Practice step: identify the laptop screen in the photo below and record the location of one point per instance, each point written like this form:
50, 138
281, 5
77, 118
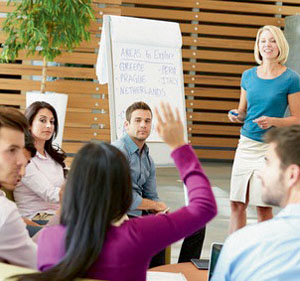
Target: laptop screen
214, 255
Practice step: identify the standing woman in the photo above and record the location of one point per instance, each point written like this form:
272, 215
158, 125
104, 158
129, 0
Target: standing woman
37, 195
266, 91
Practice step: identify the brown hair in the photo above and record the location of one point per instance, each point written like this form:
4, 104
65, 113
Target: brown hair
13, 119
287, 140
135, 106
29, 143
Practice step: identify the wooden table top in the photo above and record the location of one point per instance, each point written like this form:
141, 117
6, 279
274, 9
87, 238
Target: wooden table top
190, 272
7, 270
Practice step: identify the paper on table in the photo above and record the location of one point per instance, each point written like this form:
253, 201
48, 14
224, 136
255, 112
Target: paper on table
164, 276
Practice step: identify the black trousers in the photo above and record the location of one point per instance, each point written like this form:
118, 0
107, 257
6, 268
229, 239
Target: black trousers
158, 259
192, 246
32, 230
191, 249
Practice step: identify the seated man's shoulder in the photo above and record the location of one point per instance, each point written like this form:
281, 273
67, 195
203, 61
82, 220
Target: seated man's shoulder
120, 144
252, 235
252, 232
272, 240
6, 204
7, 209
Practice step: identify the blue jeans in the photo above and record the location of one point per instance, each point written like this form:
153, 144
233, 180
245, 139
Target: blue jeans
34, 229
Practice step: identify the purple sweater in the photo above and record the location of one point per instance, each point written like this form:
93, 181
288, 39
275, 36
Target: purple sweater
127, 249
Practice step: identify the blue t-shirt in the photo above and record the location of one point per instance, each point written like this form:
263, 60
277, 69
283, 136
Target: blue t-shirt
268, 97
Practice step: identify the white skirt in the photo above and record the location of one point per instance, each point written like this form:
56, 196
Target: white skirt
248, 160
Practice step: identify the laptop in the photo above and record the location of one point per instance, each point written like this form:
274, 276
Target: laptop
214, 255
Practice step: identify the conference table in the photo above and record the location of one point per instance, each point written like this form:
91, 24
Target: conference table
190, 272
8, 270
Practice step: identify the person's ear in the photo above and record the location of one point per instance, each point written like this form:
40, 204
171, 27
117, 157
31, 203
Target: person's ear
293, 175
126, 125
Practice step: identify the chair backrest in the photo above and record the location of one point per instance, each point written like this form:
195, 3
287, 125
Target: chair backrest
7, 270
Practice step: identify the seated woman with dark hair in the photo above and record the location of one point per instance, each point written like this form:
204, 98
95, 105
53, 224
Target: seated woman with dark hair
93, 239
37, 194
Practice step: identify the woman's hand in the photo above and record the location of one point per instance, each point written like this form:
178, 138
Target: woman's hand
169, 127
236, 116
264, 122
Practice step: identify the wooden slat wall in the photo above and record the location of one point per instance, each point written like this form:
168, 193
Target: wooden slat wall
87, 113
218, 42
218, 39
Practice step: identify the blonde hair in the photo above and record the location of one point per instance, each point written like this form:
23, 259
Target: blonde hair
281, 42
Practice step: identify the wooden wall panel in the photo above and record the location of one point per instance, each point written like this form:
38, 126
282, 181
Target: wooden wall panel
65, 57
59, 86
74, 74
175, 15
218, 41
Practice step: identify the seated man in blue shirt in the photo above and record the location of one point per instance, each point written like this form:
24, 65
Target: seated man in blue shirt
145, 198
270, 250
138, 128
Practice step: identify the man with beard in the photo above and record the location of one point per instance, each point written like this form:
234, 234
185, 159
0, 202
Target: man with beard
270, 250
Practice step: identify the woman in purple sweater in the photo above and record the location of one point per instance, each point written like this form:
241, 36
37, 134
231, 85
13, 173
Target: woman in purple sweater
94, 240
